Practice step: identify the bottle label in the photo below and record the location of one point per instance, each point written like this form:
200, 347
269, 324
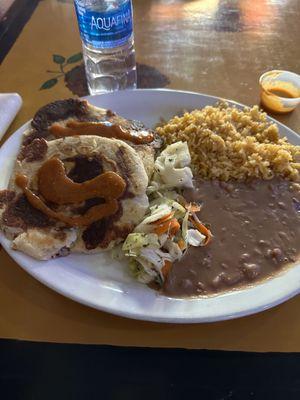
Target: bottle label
105, 29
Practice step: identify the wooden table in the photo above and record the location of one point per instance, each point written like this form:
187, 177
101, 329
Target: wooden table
210, 46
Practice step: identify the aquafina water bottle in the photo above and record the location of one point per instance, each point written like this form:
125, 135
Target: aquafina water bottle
106, 30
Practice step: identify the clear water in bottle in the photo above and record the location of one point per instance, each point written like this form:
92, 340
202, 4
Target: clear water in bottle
106, 31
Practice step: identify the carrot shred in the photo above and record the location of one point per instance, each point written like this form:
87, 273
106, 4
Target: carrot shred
181, 244
171, 226
192, 207
174, 227
166, 268
201, 228
164, 218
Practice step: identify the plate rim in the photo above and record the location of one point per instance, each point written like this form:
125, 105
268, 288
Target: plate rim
165, 319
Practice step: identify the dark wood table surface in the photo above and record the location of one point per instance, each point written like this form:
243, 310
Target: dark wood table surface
218, 47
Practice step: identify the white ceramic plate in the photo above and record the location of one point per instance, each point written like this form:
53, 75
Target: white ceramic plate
98, 281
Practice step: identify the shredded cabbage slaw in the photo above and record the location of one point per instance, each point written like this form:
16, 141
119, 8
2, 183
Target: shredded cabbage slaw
171, 225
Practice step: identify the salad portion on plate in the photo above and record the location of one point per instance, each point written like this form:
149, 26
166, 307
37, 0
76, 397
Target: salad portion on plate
171, 225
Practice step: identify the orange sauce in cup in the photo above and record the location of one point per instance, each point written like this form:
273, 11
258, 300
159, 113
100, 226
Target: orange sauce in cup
273, 95
281, 92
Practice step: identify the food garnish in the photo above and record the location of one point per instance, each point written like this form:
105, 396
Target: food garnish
171, 224
171, 168
200, 227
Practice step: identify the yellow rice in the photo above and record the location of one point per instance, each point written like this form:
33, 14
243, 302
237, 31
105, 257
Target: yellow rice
228, 143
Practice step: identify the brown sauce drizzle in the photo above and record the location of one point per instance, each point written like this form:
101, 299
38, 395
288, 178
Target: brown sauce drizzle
55, 186
108, 130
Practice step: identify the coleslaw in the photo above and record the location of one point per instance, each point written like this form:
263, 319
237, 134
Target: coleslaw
171, 225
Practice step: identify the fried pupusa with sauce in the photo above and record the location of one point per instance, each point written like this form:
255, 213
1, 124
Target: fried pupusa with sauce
84, 158
63, 112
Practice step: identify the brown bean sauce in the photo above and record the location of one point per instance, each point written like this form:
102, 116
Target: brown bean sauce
256, 232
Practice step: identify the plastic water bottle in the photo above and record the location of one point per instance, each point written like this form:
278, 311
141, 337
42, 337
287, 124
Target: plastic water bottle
106, 30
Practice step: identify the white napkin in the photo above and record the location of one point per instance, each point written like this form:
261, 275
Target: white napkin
10, 104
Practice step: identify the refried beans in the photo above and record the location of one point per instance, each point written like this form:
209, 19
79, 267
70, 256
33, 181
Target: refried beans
256, 233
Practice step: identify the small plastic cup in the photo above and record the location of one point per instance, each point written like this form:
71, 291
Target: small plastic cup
280, 91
